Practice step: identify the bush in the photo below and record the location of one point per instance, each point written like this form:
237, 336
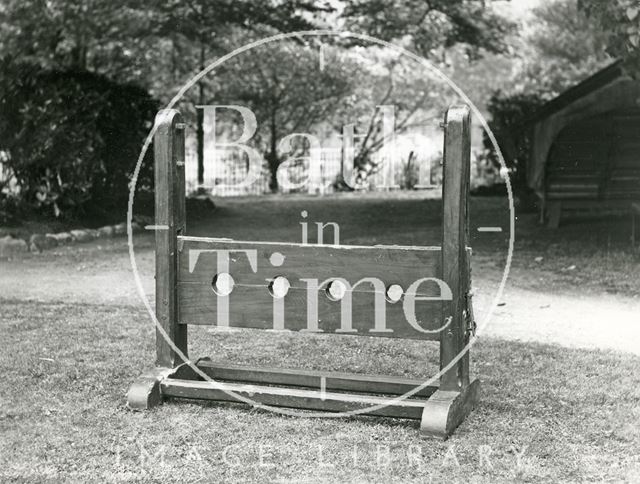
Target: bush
71, 139
509, 113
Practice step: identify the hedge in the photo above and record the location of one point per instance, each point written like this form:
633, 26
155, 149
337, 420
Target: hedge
71, 140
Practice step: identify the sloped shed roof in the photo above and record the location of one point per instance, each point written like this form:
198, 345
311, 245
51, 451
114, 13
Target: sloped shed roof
609, 89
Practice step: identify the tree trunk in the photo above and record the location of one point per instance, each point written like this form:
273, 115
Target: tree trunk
200, 122
273, 163
272, 156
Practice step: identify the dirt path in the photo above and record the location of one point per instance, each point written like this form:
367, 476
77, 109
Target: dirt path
100, 273
610, 322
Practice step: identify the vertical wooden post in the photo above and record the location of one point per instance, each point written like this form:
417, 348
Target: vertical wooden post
457, 395
170, 220
457, 152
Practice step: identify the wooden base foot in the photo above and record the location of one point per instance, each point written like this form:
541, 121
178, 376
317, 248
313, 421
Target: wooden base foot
145, 393
445, 410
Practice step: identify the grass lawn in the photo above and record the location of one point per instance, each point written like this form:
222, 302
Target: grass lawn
547, 413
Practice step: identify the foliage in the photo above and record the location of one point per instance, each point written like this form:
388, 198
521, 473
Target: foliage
562, 47
508, 115
318, 88
204, 20
155, 44
110, 38
159, 43
417, 97
72, 138
127, 40
190, 34
430, 27
285, 87
199, 28
621, 20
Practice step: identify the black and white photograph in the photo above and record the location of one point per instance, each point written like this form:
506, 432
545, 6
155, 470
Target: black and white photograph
320, 241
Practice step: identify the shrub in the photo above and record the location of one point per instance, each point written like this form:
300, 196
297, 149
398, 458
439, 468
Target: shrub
72, 139
509, 113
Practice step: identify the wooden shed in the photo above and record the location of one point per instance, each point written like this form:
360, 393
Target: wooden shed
585, 149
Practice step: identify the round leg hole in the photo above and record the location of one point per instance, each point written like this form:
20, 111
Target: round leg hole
336, 290
222, 284
279, 287
394, 293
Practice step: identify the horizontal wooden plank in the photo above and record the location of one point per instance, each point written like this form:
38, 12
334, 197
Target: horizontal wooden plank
251, 304
601, 205
250, 307
572, 185
393, 264
621, 196
568, 151
575, 173
572, 196
292, 398
627, 171
352, 382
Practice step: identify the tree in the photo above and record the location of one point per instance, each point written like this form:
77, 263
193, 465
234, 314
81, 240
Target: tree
454, 34
431, 26
621, 20
389, 80
108, 38
201, 25
155, 43
309, 86
562, 47
288, 90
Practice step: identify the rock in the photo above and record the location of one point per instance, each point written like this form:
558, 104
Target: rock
52, 241
106, 231
40, 242
81, 235
93, 233
10, 246
62, 238
120, 229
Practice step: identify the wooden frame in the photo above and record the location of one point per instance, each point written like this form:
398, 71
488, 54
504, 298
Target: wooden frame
186, 266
